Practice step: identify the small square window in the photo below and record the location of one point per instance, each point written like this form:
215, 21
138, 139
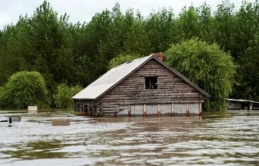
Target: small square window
151, 82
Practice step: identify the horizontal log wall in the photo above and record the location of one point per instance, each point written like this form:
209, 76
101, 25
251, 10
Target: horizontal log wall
171, 89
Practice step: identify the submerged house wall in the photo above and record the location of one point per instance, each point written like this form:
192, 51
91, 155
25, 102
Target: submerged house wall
143, 87
172, 94
87, 107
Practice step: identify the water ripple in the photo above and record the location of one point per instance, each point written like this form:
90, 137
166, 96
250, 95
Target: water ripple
228, 139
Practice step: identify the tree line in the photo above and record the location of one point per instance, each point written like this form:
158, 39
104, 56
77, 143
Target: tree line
77, 54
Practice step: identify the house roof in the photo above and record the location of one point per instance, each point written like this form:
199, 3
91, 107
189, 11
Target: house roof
242, 101
117, 74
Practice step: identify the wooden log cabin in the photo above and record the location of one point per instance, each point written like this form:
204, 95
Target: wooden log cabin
143, 87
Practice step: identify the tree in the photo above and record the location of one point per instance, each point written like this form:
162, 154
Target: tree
207, 22
249, 71
225, 27
205, 65
188, 23
246, 51
48, 46
10, 56
24, 89
80, 53
136, 41
91, 52
64, 95
122, 59
161, 30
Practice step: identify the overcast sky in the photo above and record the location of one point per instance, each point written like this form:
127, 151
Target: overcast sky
84, 10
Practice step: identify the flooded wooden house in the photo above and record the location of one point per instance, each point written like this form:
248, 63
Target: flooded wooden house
143, 87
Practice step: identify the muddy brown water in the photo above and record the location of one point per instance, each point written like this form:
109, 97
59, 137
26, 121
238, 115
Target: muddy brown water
230, 138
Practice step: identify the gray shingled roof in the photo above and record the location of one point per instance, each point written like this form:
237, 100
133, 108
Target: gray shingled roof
119, 73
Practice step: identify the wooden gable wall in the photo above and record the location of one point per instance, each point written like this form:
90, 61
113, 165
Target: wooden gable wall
171, 89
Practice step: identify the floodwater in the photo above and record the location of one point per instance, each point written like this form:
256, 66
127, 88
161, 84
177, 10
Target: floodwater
230, 138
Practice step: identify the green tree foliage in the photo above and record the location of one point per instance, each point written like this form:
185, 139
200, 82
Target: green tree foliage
249, 81
225, 25
188, 24
24, 89
107, 35
207, 66
206, 21
136, 40
10, 61
246, 21
161, 30
243, 49
64, 95
47, 48
122, 59
79, 53
40, 43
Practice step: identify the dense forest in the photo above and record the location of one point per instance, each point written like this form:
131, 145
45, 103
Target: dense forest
77, 54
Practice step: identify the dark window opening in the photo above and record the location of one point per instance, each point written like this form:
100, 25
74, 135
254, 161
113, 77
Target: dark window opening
151, 82
85, 108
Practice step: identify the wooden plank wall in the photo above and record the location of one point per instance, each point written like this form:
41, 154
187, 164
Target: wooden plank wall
84, 105
171, 89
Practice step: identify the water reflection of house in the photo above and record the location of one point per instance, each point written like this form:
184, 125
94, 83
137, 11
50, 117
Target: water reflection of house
240, 104
145, 86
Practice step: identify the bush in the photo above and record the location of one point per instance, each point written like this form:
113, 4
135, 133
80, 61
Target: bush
205, 65
64, 95
23, 89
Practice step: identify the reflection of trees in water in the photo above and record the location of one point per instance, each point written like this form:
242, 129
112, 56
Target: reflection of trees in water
36, 150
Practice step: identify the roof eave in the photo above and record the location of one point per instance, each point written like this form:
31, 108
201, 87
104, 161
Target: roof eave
83, 98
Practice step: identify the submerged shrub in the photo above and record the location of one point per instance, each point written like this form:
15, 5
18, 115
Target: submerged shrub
64, 95
23, 89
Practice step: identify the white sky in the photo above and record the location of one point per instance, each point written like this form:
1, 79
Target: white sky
84, 10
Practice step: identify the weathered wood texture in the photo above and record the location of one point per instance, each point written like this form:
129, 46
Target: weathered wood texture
89, 107
171, 89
